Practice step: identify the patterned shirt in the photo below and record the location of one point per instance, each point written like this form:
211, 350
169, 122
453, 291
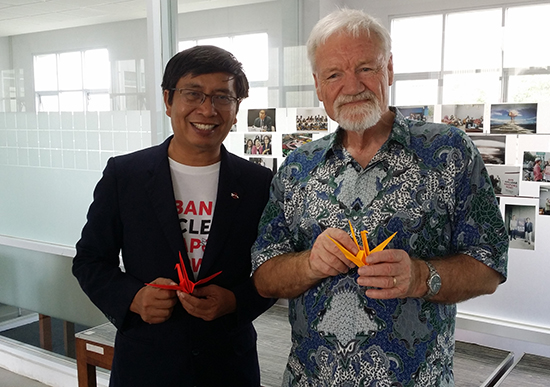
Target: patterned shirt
428, 183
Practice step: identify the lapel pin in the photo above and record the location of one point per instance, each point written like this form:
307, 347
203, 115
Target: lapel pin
234, 195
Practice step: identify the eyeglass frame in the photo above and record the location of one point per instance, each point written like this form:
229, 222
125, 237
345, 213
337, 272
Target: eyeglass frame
234, 100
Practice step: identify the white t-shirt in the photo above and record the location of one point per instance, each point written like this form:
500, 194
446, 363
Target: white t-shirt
195, 189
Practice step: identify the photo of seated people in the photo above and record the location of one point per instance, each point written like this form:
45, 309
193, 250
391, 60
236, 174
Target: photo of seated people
257, 145
261, 120
314, 119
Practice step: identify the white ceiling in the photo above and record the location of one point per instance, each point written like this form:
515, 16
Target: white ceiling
26, 16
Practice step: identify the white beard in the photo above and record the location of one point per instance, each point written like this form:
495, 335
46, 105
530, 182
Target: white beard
357, 118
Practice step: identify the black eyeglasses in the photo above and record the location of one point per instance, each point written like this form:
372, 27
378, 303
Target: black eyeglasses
196, 98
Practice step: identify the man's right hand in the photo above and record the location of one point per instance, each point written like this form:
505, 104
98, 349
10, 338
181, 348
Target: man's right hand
326, 259
155, 305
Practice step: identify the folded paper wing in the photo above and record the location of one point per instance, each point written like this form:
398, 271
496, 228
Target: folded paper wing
360, 258
185, 285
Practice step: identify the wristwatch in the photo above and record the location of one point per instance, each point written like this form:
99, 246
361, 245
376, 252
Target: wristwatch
433, 282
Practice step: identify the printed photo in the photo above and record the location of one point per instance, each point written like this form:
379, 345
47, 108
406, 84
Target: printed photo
295, 140
261, 120
268, 162
544, 200
257, 144
492, 148
466, 117
418, 113
505, 179
536, 166
520, 224
313, 119
514, 118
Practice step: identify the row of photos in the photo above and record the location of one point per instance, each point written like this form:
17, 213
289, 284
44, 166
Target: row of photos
505, 119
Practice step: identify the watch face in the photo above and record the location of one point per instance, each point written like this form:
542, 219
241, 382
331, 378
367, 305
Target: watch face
435, 283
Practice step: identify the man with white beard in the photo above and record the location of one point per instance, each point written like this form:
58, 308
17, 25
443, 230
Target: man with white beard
391, 321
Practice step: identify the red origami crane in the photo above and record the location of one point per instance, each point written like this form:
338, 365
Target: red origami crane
185, 285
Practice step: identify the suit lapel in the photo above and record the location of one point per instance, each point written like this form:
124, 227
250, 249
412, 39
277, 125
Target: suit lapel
228, 203
161, 193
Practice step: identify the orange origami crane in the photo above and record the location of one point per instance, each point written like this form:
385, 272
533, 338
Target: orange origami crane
360, 258
185, 285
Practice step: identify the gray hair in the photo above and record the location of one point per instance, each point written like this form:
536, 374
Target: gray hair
351, 21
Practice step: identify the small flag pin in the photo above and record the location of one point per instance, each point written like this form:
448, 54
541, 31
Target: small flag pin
234, 195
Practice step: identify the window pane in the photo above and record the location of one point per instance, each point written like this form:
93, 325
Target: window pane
468, 88
184, 45
526, 29
48, 103
99, 102
71, 101
416, 43
252, 51
70, 71
529, 88
418, 92
45, 72
473, 40
97, 70
257, 98
224, 43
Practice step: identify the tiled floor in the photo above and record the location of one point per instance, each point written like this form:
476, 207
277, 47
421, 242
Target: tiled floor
9, 379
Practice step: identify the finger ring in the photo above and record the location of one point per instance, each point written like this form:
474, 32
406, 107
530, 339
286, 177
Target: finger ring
394, 282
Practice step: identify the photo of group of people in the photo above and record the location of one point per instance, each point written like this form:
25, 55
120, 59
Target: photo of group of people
466, 117
311, 120
417, 113
536, 166
293, 141
519, 221
257, 144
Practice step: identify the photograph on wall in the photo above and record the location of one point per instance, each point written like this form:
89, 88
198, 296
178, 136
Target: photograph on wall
517, 118
418, 113
536, 166
293, 141
505, 179
544, 200
466, 117
492, 148
312, 119
257, 144
261, 120
268, 162
520, 224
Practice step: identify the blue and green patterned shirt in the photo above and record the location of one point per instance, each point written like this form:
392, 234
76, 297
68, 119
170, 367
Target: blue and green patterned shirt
428, 183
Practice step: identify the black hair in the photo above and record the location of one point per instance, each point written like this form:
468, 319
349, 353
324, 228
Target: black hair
201, 60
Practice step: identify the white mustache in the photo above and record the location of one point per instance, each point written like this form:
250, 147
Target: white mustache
366, 95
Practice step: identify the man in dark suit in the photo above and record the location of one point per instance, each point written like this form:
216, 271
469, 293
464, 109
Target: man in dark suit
263, 121
187, 195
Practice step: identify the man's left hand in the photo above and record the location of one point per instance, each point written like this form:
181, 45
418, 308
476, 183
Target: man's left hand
208, 302
391, 274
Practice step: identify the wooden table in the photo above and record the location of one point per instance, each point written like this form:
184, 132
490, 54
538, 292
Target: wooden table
529, 371
94, 348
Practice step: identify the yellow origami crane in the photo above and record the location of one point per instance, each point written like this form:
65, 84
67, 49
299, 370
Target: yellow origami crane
360, 258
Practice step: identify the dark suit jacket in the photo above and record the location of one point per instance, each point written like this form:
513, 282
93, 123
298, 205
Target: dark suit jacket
134, 211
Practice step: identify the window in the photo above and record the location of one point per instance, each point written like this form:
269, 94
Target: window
506, 65
255, 61
75, 81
